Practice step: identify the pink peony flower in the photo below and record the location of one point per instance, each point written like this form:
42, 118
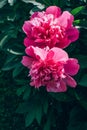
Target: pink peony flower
51, 68
50, 28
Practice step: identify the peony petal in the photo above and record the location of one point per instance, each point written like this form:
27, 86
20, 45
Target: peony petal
71, 67
27, 28
38, 40
64, 42
56, 11
70, 81
63, 86
66, 19
56, 86
27, 61
57, 54
50, 55
36, 83
36, 53
35, 14
73, 34
28, 42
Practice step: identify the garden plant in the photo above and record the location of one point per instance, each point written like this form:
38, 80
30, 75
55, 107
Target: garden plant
43, 66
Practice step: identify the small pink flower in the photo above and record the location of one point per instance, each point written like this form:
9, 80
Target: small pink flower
51, 68
50, 28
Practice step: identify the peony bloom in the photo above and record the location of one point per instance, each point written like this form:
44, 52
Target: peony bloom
50, 68
50, 28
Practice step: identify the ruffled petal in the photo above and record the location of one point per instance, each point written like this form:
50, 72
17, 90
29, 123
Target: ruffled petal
66, 19
27, 28
28, 42
56, 86
71, 67
36, 83
57, 54
36, 53
70, 81
56, 11
73, 34
35, 14
27, 61
64, 42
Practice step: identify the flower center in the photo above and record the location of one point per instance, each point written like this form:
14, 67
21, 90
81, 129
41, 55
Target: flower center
48, 31
45, 72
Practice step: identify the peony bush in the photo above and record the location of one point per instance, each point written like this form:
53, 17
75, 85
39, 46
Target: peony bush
43, 65
50, 66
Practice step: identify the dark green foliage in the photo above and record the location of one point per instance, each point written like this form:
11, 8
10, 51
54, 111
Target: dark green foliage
23, 107
78, 119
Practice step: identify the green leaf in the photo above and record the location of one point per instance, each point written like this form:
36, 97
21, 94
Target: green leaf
9, 65
82, 23
36, 9
23, 108
61, 96
21, 81
2, 3
77, 10
32, 109
82, 60
11, 2
30, 117
78, 126
14, 52
47, 125
35, 3
27, 93
28, 1
83, 81
83, 104
10, 58
77, 119
45, 106
17, 70
12, 32
4, 40
46, 2
11, 62
21, 90
61, 3
38, 113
